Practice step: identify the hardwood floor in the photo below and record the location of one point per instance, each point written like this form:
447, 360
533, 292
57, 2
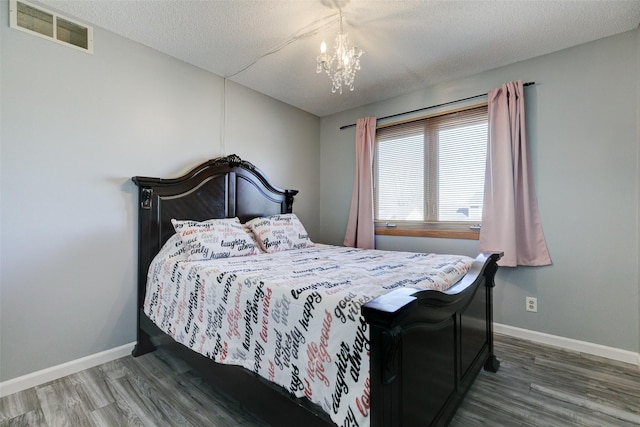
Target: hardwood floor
535, 386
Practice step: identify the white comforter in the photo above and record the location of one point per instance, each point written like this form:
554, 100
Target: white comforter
292, 317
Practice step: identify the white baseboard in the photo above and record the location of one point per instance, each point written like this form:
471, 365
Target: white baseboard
53, 373
569, 344
40, 377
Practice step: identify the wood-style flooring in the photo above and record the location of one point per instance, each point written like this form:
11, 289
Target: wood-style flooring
535, 386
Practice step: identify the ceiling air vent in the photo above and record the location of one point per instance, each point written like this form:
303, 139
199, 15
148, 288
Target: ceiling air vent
49, 25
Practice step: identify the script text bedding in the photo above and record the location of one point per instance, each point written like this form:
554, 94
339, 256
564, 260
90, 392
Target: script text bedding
292, 317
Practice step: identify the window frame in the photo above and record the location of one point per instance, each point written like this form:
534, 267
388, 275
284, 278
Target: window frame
429, 228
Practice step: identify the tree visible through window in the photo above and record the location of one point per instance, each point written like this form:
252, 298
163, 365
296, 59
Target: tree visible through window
432, 170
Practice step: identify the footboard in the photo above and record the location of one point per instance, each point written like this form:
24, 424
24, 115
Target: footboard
428, 347
425, 347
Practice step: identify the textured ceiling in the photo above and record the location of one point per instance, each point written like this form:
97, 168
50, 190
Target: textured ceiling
271, 45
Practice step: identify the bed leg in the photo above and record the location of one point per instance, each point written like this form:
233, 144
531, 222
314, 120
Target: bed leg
492, 364
143, 345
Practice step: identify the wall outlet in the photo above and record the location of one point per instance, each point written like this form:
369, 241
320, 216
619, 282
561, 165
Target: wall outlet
532, 304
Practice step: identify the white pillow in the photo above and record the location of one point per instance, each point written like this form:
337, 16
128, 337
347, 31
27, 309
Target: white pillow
253, 237
174, 247
214, 238
280, 233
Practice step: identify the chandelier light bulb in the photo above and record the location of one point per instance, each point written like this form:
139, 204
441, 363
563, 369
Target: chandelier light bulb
341, 67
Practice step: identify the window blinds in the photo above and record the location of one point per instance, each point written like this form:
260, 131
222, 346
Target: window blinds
432, 169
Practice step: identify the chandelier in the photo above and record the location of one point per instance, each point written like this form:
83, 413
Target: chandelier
341, 67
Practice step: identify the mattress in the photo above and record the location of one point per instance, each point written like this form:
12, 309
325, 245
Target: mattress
293, 317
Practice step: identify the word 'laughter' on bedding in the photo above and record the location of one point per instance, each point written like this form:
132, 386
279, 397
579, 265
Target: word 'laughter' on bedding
300, 328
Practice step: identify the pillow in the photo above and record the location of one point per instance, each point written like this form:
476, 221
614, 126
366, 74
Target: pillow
174, 247
214, 238
280, 233
174, 250
252, 237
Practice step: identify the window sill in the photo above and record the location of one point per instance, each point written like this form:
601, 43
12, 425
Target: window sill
427, 232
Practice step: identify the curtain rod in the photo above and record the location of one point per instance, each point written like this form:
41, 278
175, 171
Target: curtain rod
433, 106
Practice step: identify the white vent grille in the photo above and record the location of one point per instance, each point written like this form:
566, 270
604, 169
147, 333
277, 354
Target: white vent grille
35, 20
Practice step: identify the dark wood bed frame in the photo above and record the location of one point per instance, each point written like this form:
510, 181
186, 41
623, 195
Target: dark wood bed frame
427, 347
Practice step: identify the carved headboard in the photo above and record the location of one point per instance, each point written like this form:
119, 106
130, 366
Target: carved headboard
224, 187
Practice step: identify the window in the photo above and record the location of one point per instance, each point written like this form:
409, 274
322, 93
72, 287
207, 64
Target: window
429, 173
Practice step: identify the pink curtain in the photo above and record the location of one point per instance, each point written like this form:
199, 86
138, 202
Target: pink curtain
360, 229
510, 218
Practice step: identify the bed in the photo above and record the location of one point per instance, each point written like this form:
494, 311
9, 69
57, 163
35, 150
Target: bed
425, 347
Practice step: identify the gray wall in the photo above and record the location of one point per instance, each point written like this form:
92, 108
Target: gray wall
74, 129
638, 174
583, 127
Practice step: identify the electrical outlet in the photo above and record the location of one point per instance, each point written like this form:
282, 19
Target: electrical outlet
532, 304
